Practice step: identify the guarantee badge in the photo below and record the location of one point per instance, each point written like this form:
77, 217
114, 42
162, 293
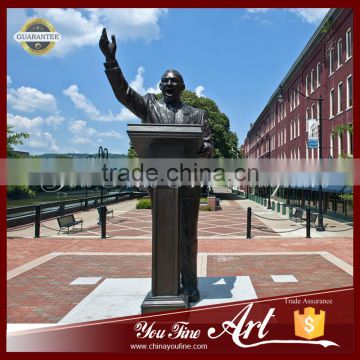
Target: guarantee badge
37, 36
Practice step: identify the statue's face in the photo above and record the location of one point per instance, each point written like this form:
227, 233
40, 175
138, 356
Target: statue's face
171, 86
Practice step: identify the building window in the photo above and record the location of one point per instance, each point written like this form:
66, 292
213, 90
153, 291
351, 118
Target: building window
298, 96
348, 44
307, 116
285, 135
340, 144
349, 99
332, 103
313, 111
331, 144
312, 80
298, 126
339, 53
340, 97
318, 74
307, 85
331, 61
349, 143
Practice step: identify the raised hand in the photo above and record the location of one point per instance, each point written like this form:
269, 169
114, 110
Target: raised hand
107, 48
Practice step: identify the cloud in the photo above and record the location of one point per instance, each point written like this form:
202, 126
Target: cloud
8, 80
311, 16
79, 28
138, 83
28, 99
23, 123
43, 140
38, 139
82, 134
199, 91
81, 102
257, 10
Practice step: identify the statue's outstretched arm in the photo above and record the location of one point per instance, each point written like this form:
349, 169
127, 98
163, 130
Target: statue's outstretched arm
123, 92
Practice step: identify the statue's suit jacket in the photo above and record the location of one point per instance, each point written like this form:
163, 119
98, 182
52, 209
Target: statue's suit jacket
151, 110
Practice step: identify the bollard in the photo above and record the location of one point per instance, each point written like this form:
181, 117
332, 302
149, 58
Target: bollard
284, 209
290, 212
248, 223
273, 206
62, 209
37, 221
308, 236
103, 221
278, 207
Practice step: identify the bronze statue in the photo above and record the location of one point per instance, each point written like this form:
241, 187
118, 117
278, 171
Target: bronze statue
170, 110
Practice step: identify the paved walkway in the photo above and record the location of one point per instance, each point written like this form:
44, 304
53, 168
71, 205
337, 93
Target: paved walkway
55, 276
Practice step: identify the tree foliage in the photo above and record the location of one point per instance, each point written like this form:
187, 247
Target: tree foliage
14, 138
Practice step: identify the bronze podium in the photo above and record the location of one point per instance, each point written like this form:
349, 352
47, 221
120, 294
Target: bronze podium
165, 141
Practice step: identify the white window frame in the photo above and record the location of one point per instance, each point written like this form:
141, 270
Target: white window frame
339, 145
348, 44
339, 53
348, 137
318, 74
331, 61
313, 111
312, 81
306, 119
340, 98
348, 93
307, 85
298, 96
298, 126
331, 144
331, 103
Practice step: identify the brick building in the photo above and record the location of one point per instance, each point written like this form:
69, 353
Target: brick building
323, 69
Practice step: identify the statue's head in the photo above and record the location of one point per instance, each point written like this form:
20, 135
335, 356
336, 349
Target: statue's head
172, 85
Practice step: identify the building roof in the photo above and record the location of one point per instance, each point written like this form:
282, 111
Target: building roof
318, 35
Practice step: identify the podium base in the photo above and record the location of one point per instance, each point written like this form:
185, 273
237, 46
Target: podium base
153, 304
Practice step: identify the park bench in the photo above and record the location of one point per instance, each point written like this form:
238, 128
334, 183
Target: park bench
313, 218
107, 213
67, 221
297, 217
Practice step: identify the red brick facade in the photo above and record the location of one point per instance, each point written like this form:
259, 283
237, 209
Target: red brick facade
325, 67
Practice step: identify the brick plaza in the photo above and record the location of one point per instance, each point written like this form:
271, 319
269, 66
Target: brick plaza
50, 276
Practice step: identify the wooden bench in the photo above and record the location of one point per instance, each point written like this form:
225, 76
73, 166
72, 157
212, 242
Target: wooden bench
67, 221
107, 213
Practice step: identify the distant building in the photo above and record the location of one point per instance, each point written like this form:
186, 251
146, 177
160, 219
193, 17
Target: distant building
324, 68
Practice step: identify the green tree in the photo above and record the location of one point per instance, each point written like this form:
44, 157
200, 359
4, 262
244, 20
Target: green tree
14, 138
131, 152
225, 141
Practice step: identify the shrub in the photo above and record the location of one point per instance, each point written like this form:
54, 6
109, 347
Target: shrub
143, 204
205, 208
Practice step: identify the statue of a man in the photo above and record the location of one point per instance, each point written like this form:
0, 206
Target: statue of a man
170, 110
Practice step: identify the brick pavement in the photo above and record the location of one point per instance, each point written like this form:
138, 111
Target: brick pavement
43, 293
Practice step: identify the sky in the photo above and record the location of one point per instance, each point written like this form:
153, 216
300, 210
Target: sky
63, 100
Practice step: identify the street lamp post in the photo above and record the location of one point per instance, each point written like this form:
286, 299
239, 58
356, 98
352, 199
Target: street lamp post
320, 226
269, 153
